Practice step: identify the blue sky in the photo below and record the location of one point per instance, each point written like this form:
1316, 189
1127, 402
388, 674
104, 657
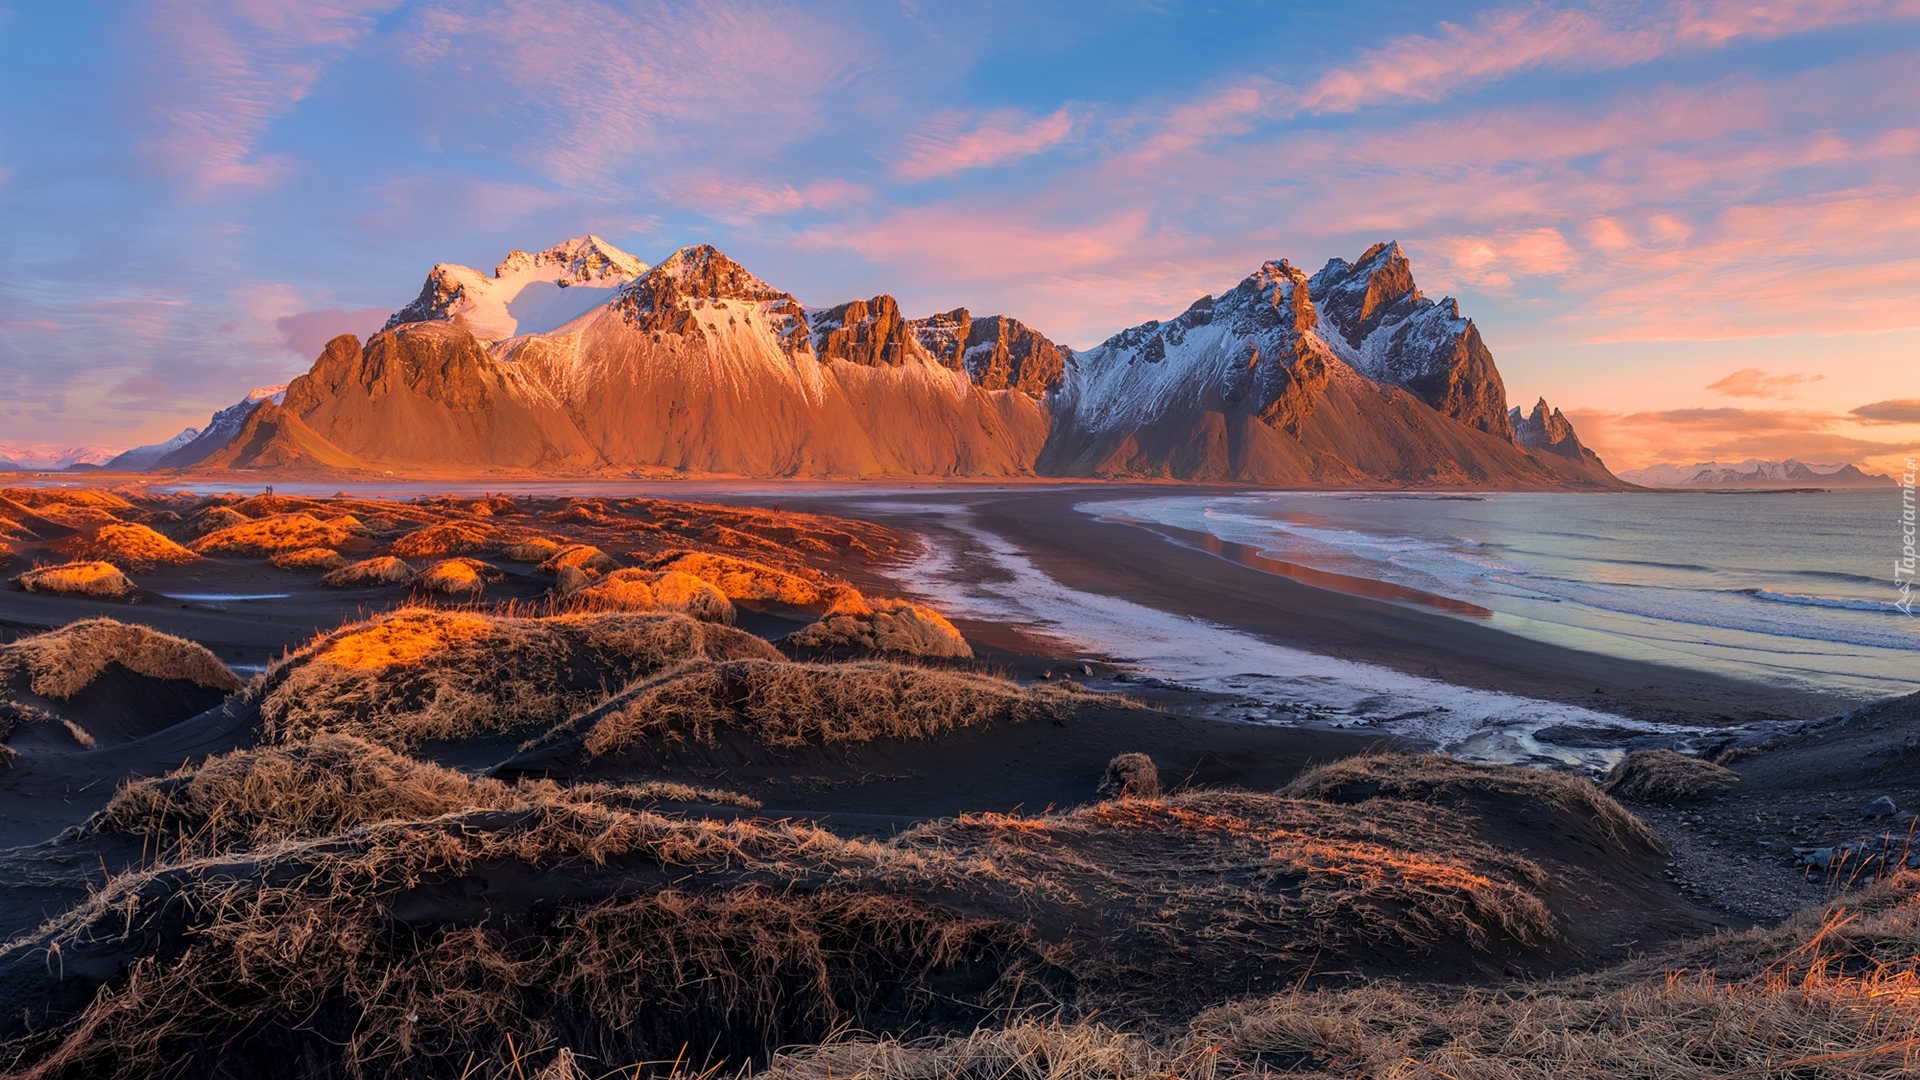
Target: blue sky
1694, 226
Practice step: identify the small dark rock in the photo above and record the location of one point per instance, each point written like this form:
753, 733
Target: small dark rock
1879, 808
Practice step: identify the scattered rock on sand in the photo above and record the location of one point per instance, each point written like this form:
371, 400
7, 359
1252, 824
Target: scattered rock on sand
77, 579
1667, 776
1882, 807
368, 573
1130, 776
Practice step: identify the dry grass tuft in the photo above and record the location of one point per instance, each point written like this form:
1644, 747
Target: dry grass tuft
674, 591
582, 556
60, 663
271, 535
633, 589
1665, 776
458, 577
313, 558
77, 579
335, 783
211, 519
448, 538
782, 704
1130, 776
1437, 777
417, 674
135, 547
742, 579
895, 626
537, 550
370, 573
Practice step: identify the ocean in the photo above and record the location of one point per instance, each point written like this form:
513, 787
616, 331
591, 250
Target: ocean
1793, 590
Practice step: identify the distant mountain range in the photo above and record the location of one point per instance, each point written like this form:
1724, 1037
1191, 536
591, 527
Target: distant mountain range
1754, 473
583, 360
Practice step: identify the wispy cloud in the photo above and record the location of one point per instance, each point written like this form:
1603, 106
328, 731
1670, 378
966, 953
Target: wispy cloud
1898, 411
1510, 41
218, 72
1755, 383
952, 142
582, 89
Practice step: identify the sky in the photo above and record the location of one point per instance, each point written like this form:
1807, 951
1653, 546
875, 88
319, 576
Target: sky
1693, 226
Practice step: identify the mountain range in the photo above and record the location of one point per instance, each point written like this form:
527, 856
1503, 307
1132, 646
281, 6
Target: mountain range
583, 360
1755, 473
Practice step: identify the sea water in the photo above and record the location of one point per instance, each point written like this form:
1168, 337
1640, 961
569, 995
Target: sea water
1794, 589
1772, 588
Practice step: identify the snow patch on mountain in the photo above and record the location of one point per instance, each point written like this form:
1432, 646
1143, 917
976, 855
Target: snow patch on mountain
525, 294
1755, 472
141, 458
50, 457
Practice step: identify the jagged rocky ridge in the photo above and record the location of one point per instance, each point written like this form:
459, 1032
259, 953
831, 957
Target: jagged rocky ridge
581, 359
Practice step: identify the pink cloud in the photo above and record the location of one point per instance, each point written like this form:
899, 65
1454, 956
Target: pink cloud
1504, 42
218, 72
947, 145
307, 332
1684, 436
608, 83
1755, 383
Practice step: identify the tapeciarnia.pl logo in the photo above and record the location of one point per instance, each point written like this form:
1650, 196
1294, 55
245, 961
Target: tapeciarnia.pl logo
1903, 567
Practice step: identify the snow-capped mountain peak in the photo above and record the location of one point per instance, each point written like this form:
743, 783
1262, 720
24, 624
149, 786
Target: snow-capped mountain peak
526, 294
1755, 472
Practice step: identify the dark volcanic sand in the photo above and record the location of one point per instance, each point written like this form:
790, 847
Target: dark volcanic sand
1147, 567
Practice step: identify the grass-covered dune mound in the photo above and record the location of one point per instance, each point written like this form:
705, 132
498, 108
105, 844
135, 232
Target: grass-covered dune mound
1833, 994
95, 578
457, 940
769, 702
251, 799
419, 674
453, 945
100, 682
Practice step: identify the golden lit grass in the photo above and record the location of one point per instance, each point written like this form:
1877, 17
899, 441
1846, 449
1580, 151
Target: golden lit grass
46, 498
60, 663
449, 538
580, 556
458, 577
1392, 874
211, 519
135, 547
782, 704
742, 579
268, 536
334, 784
882, 625
346, 990
417, 674
313, 558
369, 573
1439, 778
77, 579
1665, 776
633, 589
536, 550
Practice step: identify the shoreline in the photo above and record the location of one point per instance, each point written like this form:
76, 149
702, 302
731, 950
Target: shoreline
1405, 634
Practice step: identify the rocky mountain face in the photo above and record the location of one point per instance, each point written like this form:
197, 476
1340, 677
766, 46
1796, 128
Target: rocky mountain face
1755, 473
581, 359
220, 430
1549, 433
1347, 377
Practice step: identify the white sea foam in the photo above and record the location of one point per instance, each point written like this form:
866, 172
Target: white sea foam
1270, 683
